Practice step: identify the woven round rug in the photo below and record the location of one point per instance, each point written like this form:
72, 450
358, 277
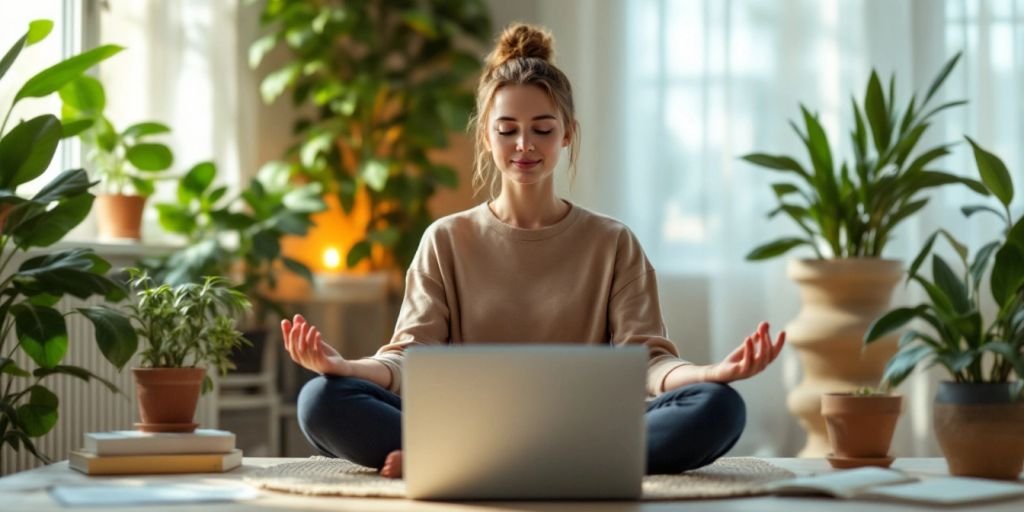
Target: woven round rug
321, 476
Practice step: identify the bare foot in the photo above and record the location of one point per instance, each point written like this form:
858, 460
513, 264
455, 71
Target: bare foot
392, 465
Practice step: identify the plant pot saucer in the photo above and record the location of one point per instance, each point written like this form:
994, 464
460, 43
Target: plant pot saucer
166, 427
856, 462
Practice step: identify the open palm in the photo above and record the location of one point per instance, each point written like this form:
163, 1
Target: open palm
750, 358
306, 347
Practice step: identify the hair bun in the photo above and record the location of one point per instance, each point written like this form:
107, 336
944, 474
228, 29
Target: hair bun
522, 41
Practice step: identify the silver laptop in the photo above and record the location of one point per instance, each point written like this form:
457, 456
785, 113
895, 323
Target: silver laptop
524, 422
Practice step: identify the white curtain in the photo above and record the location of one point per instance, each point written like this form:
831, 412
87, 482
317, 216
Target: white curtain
672, 92
184, 65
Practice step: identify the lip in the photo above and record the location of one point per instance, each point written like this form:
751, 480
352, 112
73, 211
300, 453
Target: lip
525, 164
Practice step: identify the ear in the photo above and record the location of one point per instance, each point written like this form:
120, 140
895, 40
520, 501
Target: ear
569, 131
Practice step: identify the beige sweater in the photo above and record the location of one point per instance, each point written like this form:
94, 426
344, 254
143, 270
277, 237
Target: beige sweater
585, 280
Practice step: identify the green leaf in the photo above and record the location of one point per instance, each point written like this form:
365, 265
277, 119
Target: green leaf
359, 252
776, 248
67, 184
78, 272
946, 69
175, 219
72, 128
260, 48
890, 322
150, 156
143, 187
298, 268
981, 261
42, 334
53, 78
39, 415
275, 83
314, 147
145, 129
54, 224
10, 367
951, 285
971, 210
115, 335
900, 366
85, 94
993, 173
37, 31
375, 173
196, 181
74, 371
307, 199
877, 114
266, 246
777, 163
783, 189
27, 150
387, 237
1007, 271
12, 55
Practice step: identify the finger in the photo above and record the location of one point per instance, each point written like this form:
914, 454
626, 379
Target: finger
779, 342
765, 354
297, 335
763, 328
737, 355
311, 339
300, 318
286, 328
748, 356
317, 342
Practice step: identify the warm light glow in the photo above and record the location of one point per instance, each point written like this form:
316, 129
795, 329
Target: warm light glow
332, 258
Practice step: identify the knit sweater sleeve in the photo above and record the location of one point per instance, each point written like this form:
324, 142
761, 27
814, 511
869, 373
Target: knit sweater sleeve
634, 312
424, 316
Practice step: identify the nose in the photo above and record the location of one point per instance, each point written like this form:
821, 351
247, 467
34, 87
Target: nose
522, 144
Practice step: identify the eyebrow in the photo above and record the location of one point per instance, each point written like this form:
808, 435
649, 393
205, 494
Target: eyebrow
535, 118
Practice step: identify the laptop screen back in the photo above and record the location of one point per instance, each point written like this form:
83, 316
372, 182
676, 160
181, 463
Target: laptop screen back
524, 422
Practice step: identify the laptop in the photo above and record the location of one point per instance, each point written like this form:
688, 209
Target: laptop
488, 422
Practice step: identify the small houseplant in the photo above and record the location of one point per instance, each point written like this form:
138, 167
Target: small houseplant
126, 162
29, 292
238, 236
979, 413
385, 83
184, 328
846, 212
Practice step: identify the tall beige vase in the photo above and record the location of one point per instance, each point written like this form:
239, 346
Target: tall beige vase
840, 299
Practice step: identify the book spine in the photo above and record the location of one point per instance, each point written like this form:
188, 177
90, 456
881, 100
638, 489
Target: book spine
159, 464
155, 446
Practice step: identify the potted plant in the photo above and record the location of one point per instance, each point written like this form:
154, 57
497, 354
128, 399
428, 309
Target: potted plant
860, 426
29, 290
979, 412
385, 82
847, 212
238, 236
185, 328
126, 162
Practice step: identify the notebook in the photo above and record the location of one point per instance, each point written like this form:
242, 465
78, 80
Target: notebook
524, 422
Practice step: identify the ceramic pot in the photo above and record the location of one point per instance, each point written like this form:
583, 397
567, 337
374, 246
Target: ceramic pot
860, 427
167, 398
980, 429
839, 301
119, 217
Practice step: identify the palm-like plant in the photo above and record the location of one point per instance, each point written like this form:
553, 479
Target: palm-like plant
852, 209
961, 338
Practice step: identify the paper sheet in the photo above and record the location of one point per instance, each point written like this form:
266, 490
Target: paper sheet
114, 495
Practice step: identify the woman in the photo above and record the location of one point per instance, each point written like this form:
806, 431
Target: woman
529, 267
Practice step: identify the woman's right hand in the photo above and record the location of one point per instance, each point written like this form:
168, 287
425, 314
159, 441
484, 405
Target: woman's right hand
304, 344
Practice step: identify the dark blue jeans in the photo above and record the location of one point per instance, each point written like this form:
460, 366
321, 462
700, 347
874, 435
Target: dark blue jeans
360, 421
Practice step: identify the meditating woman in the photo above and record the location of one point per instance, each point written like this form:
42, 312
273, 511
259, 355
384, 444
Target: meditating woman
525, 266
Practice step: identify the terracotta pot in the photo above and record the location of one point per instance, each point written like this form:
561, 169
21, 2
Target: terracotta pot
860, 426
167, 398
980, 430
119, 217
840, 300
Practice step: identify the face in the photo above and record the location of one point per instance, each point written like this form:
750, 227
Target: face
525, 134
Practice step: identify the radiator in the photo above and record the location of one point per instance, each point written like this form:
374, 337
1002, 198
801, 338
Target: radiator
85, 407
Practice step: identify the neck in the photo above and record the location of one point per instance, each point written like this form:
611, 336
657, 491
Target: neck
529, 207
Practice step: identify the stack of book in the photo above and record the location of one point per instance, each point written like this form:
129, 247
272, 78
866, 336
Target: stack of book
132, 452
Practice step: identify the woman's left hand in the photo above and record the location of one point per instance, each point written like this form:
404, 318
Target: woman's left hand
754, 355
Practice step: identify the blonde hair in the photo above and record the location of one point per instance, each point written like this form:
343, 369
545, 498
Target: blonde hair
522, 56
